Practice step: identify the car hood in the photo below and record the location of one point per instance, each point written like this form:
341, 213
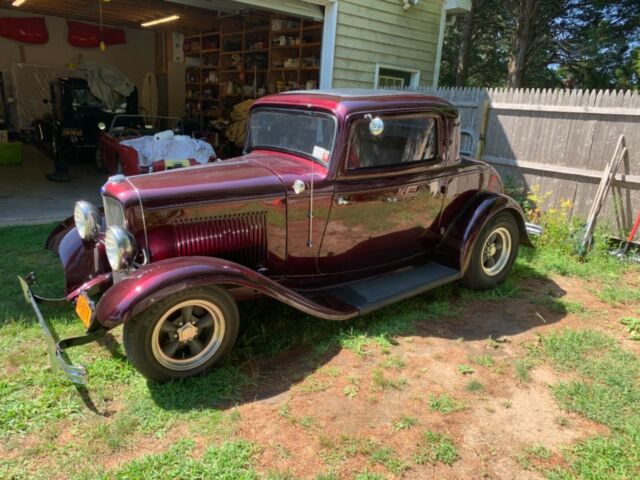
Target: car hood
244, 177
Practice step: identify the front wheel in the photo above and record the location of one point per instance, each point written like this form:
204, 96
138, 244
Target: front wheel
493, 254
182, 335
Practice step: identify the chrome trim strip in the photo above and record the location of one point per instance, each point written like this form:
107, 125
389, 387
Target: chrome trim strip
144, 222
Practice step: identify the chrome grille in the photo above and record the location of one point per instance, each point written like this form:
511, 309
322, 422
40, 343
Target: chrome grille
113, 212
240, 237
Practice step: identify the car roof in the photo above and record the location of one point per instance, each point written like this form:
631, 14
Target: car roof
343, 101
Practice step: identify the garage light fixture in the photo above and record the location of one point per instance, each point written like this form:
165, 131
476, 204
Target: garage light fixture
160, 20
17, 3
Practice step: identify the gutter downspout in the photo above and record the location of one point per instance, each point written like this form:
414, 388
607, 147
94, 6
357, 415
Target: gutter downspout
443, 19
328, 44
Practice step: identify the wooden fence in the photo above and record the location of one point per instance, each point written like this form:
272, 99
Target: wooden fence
559, 140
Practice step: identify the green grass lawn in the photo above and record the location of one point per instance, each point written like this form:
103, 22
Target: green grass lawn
38, 407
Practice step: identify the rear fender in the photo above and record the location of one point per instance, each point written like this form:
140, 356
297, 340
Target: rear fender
128, 157
459, 240
81, 261
151, 283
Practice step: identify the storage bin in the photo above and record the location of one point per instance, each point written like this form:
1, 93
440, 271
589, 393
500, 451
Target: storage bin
10, 153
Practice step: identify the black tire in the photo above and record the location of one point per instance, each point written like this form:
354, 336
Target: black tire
486, 271
148, 337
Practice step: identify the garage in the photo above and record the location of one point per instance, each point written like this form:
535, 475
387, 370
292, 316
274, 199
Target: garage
69, 67
199, 62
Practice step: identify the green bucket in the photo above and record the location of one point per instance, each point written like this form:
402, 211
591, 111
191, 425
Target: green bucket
10, 153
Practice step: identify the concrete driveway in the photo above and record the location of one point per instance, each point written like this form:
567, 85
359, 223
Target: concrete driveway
27, 197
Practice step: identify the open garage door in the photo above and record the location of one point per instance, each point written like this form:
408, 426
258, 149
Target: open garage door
300, 8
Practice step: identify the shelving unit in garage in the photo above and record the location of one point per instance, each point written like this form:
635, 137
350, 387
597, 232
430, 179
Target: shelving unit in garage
248, 57
202, 79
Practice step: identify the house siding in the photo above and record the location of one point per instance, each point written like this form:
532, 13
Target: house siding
380, 31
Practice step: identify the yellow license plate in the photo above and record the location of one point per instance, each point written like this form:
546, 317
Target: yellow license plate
170, 164
84, 310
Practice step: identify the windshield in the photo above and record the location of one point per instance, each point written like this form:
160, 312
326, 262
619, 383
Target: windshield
310, 134
144, 124
82, 97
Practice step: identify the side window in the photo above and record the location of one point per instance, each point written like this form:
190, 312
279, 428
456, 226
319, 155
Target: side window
404, 140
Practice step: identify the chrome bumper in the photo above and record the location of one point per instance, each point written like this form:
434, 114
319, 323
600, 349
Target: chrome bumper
75, 373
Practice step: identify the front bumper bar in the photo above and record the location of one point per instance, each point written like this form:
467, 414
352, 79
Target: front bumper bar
76, 373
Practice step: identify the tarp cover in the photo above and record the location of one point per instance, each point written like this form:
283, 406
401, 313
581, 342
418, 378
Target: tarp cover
29, 86
169, 147
104, 80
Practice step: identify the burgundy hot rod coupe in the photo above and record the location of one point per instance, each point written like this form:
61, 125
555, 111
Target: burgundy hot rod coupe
135, 144
344, 201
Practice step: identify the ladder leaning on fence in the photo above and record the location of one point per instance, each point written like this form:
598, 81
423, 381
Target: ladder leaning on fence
608, 175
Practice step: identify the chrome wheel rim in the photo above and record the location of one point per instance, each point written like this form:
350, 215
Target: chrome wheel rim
188, 335
496, 251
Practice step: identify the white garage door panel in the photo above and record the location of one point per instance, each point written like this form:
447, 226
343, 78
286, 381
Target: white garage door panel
296, 8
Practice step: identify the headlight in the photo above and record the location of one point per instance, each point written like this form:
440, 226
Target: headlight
87, 219
121, 248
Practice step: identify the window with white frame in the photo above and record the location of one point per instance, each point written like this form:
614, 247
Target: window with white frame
392, 77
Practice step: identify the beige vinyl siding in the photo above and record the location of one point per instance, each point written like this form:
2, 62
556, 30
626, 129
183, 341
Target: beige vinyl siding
371, 32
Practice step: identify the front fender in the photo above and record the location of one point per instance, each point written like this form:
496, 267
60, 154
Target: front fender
458, 241
81, 261
151, 283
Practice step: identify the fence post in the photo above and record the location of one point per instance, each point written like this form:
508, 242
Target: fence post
484, 117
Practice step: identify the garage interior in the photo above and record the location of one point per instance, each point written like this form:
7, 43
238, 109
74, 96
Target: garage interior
208, 63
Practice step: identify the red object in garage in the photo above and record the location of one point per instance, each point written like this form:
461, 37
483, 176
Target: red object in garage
87, 35
28, 29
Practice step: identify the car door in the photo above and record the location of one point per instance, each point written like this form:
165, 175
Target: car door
388, 194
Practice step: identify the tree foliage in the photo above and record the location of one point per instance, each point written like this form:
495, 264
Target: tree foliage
545, 43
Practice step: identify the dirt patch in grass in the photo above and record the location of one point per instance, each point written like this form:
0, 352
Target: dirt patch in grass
345, 411
305, 430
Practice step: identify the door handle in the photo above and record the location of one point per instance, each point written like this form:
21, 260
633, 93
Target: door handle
343, 201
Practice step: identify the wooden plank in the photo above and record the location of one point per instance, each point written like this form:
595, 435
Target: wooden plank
594, 175
394, 7
403, 44
634, 112
420, 23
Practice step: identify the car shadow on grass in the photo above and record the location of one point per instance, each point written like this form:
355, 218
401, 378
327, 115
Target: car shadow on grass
279, 347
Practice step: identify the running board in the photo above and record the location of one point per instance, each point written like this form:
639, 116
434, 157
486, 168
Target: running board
372, 294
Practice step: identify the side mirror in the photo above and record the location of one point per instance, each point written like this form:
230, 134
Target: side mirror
376, 126
101, 125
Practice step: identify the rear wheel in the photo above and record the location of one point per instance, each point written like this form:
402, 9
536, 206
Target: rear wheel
182, 335
494, 252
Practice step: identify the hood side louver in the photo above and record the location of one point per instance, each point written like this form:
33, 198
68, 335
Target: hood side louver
238, 237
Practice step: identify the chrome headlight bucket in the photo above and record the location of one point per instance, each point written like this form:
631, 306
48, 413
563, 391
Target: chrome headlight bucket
87, 219
120, 247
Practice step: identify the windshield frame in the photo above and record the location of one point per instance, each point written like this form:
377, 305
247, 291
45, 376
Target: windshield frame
296, 111
112, 125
